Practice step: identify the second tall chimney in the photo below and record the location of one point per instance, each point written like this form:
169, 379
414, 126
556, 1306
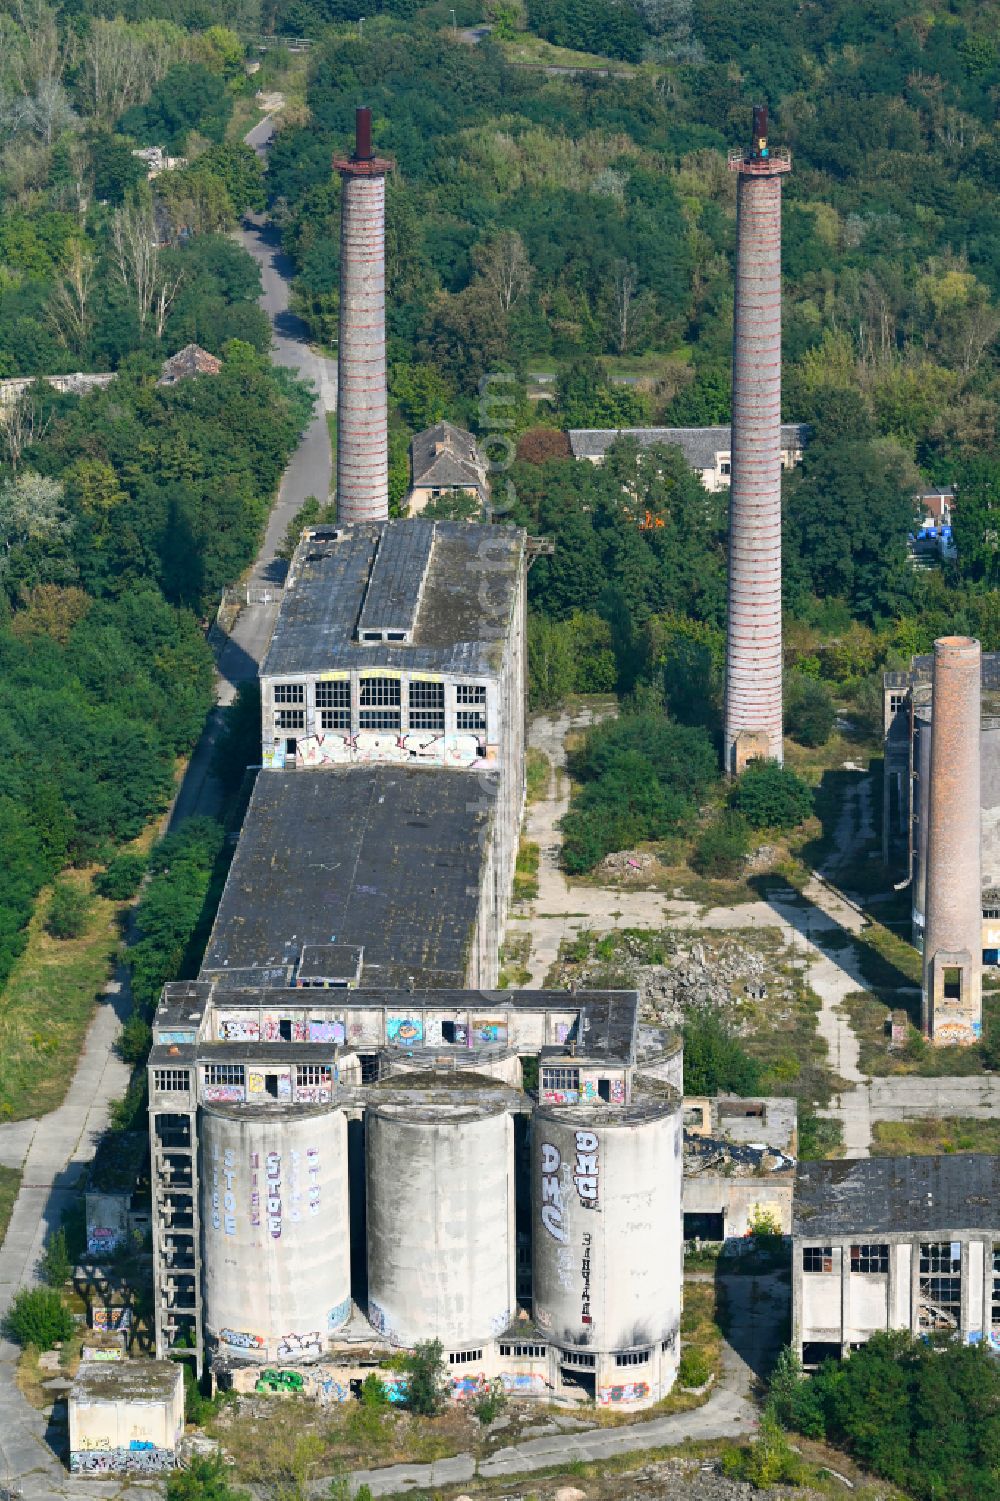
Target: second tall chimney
753, 712
953, 933
362, 414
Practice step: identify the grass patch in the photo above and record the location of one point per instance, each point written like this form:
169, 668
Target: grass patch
934, 1138
869, 1019
10, 1182
526, 872
514, 956
538, 774
48, 1004
532, 51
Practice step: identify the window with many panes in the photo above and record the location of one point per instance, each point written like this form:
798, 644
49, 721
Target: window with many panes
426, 706
378, 719
223, 1073
470, 693
173, 1080
312, 1073
530, 1352
470, 719
869, 1258
289, 693
333, 704
633, 1357
290, 719
817, 1258
465, 1357
939, 1291
560, 1078
380, 693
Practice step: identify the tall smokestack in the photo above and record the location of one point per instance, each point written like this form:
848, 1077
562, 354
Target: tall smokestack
953, 935
753, 726
362, 421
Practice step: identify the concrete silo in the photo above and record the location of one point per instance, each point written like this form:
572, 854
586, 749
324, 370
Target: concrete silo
607, 1245
440, 1183
275, 1230
499, 1063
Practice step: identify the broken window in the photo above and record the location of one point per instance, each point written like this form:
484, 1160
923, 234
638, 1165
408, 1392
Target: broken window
312, 1074
940, 1291
290, 719
173, 1080
426, 706
470, 693
470, 719
289, 693
380, 692
952, 983
223, 1073
333, 700
869, 1258
578, 1358
817, 1259
560, 1078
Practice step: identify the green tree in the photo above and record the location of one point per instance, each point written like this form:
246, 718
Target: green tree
122, 878
771, 796
809, 710
721, 848
425, 1378
714, 1060
69, 910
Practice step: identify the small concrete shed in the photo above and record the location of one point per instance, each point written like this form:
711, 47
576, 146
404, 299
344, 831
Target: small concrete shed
125, 1417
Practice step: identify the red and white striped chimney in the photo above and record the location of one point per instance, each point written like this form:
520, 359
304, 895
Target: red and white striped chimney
362, 420
753, 714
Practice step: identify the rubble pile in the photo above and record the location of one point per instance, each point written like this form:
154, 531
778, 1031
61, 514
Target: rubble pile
694, 978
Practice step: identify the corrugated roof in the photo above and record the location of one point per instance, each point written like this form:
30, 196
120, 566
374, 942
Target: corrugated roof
885, 1195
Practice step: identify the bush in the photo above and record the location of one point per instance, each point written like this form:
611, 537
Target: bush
491, 1404
68, 911
809, 711
771, 796
122, 878
38, 1316
373, 1392
714, 1061
768, 1461
203, 1480
694, 1368
722, 848
425, 1378
135, 1039
57, 1264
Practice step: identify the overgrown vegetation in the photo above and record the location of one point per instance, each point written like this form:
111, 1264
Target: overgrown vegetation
38, 1316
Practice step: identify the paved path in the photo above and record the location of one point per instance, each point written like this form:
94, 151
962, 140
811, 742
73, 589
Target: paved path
724, 1415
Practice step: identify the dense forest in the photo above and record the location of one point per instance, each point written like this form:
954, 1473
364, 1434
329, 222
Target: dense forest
123, 513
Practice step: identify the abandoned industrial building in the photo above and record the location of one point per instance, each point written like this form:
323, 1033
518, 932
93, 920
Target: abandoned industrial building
895, 1243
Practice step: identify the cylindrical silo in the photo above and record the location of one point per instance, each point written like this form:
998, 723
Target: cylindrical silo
362, 420
953, 959
440, 1181
753, 708
276, 1264
607, 1224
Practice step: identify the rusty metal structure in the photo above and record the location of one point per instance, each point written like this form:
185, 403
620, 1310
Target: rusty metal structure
753, 710
363, 445
953, 969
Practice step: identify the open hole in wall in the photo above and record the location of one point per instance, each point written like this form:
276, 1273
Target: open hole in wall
271, 1085
952, 983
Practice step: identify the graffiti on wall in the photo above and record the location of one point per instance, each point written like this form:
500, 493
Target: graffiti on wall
395, 1388
145, 1461
589, 1089
404, 1031
225, 1094
629, 1391
617, 1091
486, 1030
553, 1201
111, 1320
585, 1314
327, 1031
523, 1383
272, 1168
415, 745
239, 1029
255, 1081
98, 1352
378, 1317
241, 1339
312, 1172
319, 1382
585, 1173
104, 1240
464, 1388
312, 1094
337, 1315
223, 1209
300, 1346
271, 1029
178, 1037
561, 1096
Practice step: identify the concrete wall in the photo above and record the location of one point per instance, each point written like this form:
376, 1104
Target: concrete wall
842, 1307
275, 1229
440, 1195
130, 1434
738, 1199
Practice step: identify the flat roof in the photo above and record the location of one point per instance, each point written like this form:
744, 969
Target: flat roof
126, 1381
455, 582
959, 1191
387, 857
700, 445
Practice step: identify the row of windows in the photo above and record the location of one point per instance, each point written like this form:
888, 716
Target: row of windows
936, 1258
465, 1357
531, 1352
577, 1357
378, 692
233, 1073
633, 1357
379, 719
